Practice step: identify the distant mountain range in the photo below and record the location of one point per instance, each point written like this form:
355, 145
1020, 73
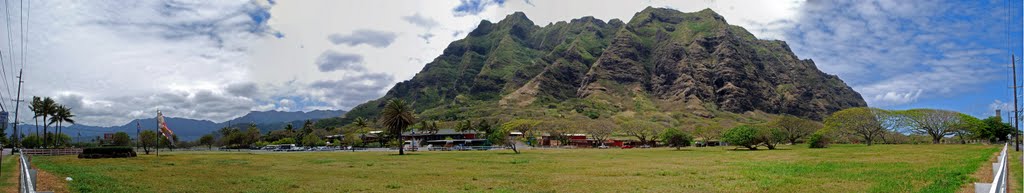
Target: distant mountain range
191, 129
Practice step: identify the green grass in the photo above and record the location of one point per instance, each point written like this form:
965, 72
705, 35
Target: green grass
842, 168
8, 172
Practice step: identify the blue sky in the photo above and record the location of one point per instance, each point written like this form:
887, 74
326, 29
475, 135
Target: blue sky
217, 60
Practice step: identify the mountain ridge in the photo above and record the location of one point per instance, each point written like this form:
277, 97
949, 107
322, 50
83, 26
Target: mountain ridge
662, 60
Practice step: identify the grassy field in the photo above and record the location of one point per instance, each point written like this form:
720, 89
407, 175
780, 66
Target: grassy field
843, 168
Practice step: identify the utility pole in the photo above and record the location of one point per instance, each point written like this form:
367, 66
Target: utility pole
17, 105
1016, 113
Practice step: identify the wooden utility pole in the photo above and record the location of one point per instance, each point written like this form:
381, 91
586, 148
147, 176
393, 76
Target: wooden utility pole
1016, 113
17, 103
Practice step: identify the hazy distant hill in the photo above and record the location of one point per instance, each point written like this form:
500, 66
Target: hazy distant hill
190, 129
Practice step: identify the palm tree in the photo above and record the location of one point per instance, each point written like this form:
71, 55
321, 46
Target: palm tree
36, 108
360, 122
60, 115
397, 116
48, 107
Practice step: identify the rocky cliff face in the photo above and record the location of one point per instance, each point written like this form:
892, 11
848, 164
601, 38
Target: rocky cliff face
661, 60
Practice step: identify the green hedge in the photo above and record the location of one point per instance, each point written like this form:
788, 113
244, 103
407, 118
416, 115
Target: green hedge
107, 152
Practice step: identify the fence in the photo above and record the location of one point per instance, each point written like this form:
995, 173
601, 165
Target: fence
999, 180
27, 175
66, 151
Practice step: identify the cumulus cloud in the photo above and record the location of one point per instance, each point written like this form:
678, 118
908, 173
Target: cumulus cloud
473, 7
205, 104
246, 89
119, 61
373, 38
420, 20
895, 52
332, 60
350, 91
999, 105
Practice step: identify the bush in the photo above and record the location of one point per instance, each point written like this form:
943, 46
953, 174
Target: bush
107, 152
818, 140
744, 136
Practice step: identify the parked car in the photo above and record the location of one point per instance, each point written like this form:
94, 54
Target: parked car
602, 147
627, 147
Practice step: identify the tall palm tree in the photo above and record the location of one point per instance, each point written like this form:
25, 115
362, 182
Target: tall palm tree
396, 117
36, 108
48, 107
60, 115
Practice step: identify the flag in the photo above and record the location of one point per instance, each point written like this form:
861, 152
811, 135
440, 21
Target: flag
163, 127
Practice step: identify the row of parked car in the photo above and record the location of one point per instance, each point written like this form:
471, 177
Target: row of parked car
293, 147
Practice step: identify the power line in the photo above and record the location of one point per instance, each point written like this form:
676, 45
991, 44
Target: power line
10, 41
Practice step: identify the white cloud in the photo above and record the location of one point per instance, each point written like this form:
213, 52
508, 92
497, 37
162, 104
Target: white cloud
999, 105
420, 20
373, 38
897, 52
332, 60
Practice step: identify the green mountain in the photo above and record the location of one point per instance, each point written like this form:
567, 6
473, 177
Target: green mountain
666, 61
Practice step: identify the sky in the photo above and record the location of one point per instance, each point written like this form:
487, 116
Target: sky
115, 61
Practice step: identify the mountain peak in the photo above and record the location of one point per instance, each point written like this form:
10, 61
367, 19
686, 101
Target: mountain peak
516, 18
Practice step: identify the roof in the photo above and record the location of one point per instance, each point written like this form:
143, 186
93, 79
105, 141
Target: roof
439, 132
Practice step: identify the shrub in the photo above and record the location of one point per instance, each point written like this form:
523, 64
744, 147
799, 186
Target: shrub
818, 140
744, 136
107, 152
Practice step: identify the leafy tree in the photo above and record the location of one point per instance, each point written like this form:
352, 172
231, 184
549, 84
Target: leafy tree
932, 122
312, 140
969, 127
707, 132
287, 140
502, 137
676, 138
857, 121
796, 128
996, 130
743, 135
770, 135
890, 121
121, 139
600, 130
32, 141
261, 143
147, 139
396, 117
207, 140
645, 131
353, 140
278, 134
